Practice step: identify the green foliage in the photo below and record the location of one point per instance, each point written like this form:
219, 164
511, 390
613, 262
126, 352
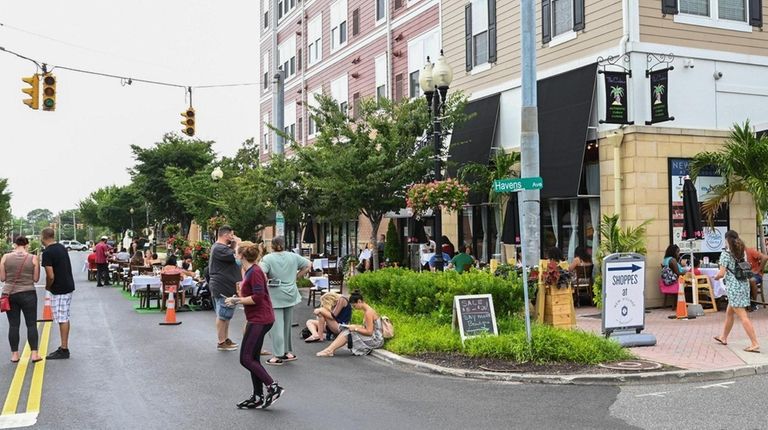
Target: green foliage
392, 250
303, 283
431, 293
5, 203
200, 255
612, 240
110, 207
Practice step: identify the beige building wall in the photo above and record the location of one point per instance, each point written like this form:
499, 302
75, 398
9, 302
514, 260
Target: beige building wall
645, 188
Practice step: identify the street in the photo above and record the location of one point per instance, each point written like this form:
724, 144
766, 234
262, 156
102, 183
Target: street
126, 371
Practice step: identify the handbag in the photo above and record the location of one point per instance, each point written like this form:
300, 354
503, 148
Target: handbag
668, 276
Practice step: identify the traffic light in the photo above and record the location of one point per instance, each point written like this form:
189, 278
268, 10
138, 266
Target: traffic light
34, 91
49, 92
188, 122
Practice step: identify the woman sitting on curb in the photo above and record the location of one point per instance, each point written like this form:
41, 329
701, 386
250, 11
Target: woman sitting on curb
334, 310
363, 338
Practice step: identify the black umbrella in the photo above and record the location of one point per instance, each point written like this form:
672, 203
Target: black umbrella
510, 233
418, 231
309, 232
691, 212
477, 224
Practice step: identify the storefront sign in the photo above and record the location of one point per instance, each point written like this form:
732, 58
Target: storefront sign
474, 315
714, 237
623, 292
659, 96
616, 98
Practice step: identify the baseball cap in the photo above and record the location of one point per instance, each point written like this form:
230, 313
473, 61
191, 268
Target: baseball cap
104, 238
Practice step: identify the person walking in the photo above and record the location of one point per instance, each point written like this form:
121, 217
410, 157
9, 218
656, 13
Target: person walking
101, 250
60, 283
20, 271
224, 275
283, 268
254, 296
738, 291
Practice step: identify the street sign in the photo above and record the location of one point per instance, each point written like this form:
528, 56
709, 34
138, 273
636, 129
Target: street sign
279, 224
623, 292
512, 185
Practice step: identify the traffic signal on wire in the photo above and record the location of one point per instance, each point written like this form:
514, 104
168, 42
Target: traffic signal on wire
33, 91
49, 92
188, 122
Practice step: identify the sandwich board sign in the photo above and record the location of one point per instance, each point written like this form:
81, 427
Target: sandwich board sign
623, 292
474, 315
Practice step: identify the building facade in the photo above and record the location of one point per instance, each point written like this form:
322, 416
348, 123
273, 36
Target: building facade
708, 60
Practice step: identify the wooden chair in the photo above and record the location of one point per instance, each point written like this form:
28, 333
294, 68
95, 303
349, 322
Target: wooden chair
333, 262
336, 283
582, 283
146, 294
168, 282
705, 291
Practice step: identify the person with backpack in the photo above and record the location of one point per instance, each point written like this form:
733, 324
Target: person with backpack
735, 271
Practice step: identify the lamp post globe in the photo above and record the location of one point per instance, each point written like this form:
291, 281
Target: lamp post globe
425, 78
442, 73
217, 174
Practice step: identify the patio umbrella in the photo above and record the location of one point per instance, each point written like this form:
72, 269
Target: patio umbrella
309, 232
691, 212
418, 231
510, 232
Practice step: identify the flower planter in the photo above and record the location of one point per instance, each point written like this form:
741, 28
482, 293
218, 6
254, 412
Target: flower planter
554, 305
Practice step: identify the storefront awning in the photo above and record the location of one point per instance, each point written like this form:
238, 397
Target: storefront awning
472, 141
564, 102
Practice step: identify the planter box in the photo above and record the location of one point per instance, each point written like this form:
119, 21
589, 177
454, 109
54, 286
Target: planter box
554, 306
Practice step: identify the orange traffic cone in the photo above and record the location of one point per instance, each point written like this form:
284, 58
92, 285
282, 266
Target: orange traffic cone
170, 309
47, 311
682, 308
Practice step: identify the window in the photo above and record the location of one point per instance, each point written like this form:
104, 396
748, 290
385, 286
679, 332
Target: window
284, 7
426, 45
313, 103
380, 5
355, 22
289, 119
480, 32
286, 53
339, 92
265, 132
560, 19
265, 69
315, 32
265, 9
739, 15
381, 77
732, 10
338, 24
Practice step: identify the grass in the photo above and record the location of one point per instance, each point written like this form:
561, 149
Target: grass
416, 334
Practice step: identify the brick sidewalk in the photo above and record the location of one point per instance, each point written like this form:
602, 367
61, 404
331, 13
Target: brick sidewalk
688, 344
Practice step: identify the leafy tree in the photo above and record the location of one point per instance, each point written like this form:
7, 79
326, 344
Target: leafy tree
392, 250
5, 203
111, 207
366, 163
742, 162
188, 156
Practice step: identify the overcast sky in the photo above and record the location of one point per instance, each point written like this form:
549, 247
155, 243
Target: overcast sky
55, 159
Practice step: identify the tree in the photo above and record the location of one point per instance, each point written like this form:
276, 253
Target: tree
392, 251
111, 207
742, 162
188, 156
365, 164
39, 219
5, 203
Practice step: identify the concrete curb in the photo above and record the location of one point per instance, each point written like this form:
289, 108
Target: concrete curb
578, 379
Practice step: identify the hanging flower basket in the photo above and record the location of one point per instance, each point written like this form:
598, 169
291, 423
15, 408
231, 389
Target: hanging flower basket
200, 255
216, 221
449, 194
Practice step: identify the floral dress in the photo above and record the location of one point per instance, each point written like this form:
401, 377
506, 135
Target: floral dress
738, 291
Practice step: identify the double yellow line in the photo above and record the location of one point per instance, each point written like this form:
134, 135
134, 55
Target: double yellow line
36, 385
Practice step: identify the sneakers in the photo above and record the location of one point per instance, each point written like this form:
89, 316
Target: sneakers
251, 403
59, 354
274, 392
227, 345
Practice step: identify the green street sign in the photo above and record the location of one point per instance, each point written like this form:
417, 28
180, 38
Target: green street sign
517, 184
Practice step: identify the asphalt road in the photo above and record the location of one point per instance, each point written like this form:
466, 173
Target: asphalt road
127, 372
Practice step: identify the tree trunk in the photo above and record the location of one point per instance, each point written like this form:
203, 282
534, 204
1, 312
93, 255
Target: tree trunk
375, 222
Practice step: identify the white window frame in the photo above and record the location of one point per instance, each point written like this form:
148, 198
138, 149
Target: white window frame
266, 132
427, 44
340, 92
339, 20
380, 67
289, 119
315, 37
265, 13
286, 54
564, 36
383, 18
713, 19
285, 7
265, 71
479, 26
312, 103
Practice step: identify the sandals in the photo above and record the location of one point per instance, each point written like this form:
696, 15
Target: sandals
287, 358
755, 349
720, 341
324, 353
312, 339
275, 361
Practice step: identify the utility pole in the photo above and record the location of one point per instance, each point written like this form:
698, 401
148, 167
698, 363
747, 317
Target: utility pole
529, 136
278, 92
74, 226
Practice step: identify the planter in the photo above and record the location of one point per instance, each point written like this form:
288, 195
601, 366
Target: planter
554, 305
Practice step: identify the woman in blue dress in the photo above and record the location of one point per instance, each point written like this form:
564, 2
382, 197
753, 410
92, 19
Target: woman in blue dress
738, 291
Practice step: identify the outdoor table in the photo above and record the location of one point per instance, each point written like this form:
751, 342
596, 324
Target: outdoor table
424, 257
142, 281
717, 285
319, 264
319, 285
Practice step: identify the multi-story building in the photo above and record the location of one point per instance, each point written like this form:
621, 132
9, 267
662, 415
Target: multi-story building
717, 59
350, 50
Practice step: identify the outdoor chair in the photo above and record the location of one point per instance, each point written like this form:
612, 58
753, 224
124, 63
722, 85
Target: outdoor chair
171, 281
582, 283
333, 262
146, 294
705, 291
336, 283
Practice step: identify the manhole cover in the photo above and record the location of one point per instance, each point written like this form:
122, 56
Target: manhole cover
636, 365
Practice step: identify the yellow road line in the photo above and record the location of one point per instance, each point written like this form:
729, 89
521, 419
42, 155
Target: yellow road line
36, 387
12, 400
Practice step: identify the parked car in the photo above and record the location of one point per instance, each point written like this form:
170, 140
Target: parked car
73, 245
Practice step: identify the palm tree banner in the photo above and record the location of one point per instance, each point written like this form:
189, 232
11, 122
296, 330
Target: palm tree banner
659, 96
616, 98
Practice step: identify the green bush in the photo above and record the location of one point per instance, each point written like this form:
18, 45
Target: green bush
392, 245
430, 293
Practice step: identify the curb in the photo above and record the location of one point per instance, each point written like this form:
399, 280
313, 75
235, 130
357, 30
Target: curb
577, 379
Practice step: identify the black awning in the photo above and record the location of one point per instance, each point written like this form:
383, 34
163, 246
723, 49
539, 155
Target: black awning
472, 141
565, 103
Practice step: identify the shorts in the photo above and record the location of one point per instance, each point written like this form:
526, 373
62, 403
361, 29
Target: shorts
223, 312
60, 304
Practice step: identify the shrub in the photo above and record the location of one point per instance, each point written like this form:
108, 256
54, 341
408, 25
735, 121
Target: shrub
392, 245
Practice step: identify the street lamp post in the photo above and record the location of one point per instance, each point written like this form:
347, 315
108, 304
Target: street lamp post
131, 220
216, 176
434, 82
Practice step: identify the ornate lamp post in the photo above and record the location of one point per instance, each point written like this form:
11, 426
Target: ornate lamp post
131, 211
434, 81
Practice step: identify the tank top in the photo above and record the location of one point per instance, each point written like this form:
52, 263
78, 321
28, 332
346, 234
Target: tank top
25, 280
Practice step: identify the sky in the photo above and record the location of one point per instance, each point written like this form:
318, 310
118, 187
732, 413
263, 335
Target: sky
54, 160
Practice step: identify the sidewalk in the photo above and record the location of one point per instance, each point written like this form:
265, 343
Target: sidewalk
688, 344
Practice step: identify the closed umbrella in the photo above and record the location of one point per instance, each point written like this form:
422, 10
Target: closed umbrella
691, 212
510, 233
418, 231
309, 232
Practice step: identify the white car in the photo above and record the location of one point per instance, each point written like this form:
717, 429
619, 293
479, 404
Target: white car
73, 245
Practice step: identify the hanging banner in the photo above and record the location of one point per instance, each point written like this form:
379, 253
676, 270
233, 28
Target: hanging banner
659, 96
616, 98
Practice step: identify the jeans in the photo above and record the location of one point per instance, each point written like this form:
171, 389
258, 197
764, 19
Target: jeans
102, 273
26, 302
